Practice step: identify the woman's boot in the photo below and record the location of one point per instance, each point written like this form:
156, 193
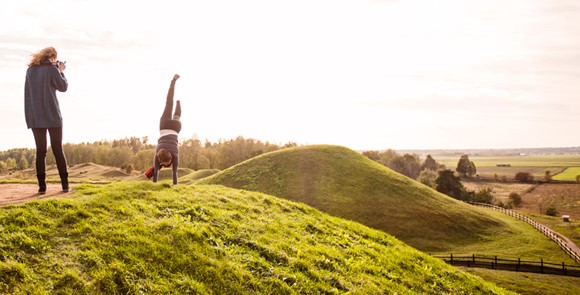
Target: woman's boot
64, 182
41, 183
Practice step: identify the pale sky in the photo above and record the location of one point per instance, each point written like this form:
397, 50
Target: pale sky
368, 75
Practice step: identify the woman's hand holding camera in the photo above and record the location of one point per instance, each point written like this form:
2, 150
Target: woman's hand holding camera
61, 65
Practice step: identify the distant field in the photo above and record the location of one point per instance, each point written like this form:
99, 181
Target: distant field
564, 197
568, 174
537, 165
519, 161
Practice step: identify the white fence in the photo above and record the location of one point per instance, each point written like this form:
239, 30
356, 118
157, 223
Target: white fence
542, 228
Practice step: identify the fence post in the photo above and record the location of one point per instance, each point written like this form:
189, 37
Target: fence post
518, 266
564, 268
473, 259
451, 258
542, 265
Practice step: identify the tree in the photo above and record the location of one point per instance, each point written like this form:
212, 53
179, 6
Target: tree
408, 165
548, 176
428, 178
449, 184
515, 199
387, 156
429, 164
484, 195
524, 177
373, 155
465, 167
143, 159
551, 211
23, 163
129, 168
10, 163
3, 166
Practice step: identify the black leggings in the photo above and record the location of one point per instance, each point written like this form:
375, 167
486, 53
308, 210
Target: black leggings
55, 144
167, 121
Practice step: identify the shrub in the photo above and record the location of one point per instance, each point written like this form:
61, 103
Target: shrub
428, 177
524, 177
548, 175
449, 184
129, 168
551, 211
515, 199
484, 195
577, 178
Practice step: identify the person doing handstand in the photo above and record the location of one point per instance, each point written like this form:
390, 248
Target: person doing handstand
167, 151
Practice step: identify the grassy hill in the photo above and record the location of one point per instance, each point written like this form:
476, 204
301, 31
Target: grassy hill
346, 184
144, 238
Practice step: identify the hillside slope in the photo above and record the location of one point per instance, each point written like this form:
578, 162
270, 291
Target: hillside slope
144, 238
344, 183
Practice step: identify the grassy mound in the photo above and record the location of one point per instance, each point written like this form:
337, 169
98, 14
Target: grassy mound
344, 183
197, 175
141, 238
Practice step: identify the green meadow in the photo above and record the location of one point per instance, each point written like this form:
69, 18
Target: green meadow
306, 220
142, 238
515, 160
537, 165
570, 174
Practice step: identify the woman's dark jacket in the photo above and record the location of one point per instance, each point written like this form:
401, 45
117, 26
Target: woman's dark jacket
41, 106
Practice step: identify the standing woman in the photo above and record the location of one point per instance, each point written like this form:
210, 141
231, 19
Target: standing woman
43, 78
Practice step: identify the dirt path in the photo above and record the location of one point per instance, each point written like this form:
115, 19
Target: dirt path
17, 193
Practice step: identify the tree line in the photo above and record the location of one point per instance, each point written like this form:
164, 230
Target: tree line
434, 174
136, 153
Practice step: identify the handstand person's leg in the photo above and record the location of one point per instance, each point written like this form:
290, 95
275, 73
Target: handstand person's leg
169, 102
177, 114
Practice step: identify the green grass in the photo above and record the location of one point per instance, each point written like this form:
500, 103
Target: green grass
520, 161
569, 229
144, 238
537, 165
344, 183
529, 283
196, 175
569, 174
521, 240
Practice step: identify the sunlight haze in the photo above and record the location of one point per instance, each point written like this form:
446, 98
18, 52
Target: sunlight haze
367, 75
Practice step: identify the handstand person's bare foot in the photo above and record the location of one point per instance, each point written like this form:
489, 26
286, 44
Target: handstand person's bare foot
175, 77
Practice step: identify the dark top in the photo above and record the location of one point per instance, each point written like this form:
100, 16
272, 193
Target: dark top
41, 106
169, 142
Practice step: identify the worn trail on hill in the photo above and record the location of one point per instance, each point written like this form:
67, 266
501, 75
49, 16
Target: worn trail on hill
17, 193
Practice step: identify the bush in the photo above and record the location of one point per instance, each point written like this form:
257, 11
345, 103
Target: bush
524, 177
548, 176
551, 211
515, 199
129, 168
484, 195
449, 184
428, 178
577, 178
